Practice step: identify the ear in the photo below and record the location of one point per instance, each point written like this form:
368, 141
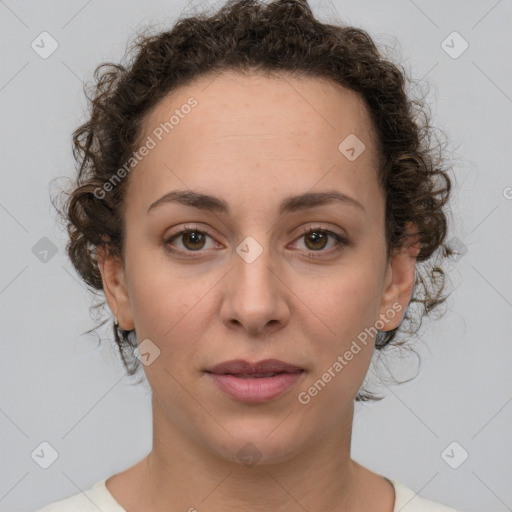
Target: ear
399, 280
114, 286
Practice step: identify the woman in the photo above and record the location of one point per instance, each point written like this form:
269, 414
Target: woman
260, 206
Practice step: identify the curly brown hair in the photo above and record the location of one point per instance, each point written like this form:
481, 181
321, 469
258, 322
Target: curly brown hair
246, 35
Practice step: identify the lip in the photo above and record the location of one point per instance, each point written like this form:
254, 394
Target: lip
234, 378
240, 366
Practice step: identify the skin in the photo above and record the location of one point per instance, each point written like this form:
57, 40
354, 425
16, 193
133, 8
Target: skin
254, 140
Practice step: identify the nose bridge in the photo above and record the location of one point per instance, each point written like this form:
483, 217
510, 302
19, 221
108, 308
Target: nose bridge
252, 267
253, 297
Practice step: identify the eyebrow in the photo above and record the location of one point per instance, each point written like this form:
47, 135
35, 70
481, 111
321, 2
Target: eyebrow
290, 204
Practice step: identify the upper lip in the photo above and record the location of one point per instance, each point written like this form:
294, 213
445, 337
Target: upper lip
239, 366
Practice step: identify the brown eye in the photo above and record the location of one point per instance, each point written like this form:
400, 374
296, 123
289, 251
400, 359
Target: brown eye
318, 240
191, 240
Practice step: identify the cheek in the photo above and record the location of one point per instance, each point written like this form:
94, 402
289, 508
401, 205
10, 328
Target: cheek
346, 303
339, 324
343, 353
164, 303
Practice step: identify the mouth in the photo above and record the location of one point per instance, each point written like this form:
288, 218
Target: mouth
265, 368
255, 382
257, 375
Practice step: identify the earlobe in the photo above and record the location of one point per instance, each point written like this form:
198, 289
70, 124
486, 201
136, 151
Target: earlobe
114, 286
400, 277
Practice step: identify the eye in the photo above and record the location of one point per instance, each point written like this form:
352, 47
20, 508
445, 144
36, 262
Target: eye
317, 239
192, 239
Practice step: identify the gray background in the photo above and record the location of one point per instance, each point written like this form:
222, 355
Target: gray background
58, 387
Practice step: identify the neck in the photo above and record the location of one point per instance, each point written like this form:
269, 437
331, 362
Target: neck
182, 473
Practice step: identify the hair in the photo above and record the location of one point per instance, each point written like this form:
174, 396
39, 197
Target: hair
279, 37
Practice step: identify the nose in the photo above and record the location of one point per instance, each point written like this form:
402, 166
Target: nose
255, 296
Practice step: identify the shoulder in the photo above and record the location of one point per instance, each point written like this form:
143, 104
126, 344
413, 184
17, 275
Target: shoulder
406, 500
96, 498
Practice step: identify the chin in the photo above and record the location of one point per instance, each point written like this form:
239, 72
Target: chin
259, 443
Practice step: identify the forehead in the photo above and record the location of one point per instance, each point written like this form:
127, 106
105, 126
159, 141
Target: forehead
265, 106
256, 130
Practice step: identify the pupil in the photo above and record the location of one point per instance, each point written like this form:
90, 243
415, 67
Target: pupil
317, 237
194, 238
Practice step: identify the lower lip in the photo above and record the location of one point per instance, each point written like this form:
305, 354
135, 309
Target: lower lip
254, 390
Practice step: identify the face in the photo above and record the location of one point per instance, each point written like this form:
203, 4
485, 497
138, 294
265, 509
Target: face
259, 275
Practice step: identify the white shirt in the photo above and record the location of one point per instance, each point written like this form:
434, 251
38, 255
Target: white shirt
98, 497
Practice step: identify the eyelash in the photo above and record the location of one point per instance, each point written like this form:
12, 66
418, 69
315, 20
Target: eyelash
341, 242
